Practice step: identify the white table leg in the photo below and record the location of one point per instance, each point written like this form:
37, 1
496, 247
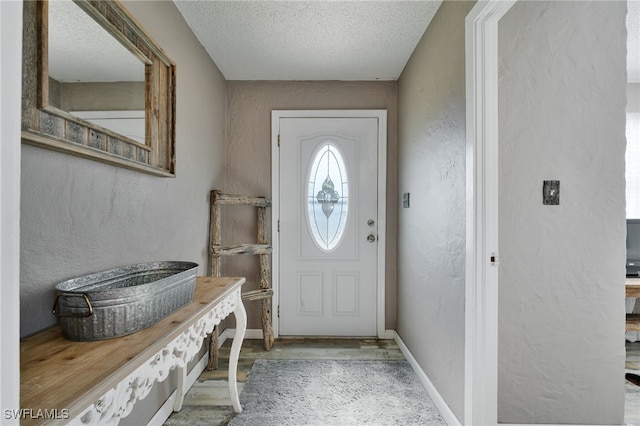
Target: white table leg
241, 327
180, 391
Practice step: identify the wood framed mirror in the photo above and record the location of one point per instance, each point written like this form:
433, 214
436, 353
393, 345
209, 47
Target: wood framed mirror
95, 85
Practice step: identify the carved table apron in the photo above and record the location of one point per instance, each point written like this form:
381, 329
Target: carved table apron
99, 382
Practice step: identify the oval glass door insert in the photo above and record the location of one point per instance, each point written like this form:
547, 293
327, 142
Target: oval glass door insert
327, 196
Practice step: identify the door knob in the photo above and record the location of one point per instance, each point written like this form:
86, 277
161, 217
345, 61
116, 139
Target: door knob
371, 238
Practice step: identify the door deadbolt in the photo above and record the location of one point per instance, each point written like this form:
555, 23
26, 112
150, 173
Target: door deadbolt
371, 222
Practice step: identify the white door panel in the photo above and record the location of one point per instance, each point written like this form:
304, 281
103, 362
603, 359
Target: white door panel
328, 204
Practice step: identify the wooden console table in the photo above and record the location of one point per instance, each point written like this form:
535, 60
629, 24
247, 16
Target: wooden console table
99, 382
632, 289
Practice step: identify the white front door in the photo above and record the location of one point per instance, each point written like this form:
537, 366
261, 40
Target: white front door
329, 231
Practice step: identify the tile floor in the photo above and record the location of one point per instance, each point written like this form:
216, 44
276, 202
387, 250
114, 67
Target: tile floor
207, 402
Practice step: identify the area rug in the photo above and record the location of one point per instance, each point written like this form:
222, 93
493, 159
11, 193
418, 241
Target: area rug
327, 393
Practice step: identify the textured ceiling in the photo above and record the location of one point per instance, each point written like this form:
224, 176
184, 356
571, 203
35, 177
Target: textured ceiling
309, 40
275, 40
80, 50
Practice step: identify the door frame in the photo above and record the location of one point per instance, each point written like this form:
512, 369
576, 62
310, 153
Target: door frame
482, 255
10, 154
381, 116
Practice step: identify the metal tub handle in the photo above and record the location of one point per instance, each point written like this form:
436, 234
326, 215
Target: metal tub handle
86, 299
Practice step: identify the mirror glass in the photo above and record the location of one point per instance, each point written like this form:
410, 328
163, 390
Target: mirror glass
95, 85
92, 75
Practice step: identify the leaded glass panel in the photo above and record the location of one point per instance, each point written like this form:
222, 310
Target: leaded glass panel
327, 196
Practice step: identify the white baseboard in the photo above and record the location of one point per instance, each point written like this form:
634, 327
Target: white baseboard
229, 333
389, 335
256, 333
440, 403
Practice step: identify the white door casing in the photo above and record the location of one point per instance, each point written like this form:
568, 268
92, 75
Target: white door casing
482, 255
329, 284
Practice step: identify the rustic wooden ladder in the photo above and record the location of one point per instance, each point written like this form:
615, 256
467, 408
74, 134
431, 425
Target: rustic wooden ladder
262, 248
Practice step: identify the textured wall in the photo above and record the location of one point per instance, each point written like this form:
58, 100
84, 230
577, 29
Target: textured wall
81, 216
431, 233
561, 277
633, 97
249, 158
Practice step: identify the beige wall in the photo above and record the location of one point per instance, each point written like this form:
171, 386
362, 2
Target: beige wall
249, 158
113, 96
431, 233
54, 92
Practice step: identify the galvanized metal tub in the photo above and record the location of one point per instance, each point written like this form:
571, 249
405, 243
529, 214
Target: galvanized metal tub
124, 300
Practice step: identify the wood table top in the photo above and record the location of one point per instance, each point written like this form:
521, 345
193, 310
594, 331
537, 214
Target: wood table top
56, 373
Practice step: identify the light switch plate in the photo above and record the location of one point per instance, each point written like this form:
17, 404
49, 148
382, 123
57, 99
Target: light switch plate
405, 200
551, 192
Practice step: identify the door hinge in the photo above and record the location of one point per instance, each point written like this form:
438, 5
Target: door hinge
278, 225
278, 311
278, 140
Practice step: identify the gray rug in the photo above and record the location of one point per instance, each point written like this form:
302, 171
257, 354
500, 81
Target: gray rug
311, 392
